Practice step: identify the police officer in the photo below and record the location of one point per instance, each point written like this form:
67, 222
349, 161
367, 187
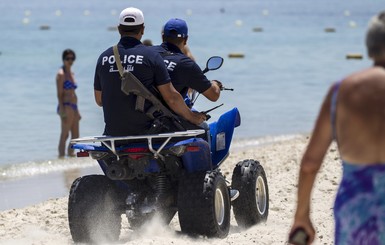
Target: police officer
120, 115
184, 72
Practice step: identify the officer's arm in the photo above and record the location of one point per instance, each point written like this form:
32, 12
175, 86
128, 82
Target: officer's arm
213, 92
98, 97
175, 101
195, 79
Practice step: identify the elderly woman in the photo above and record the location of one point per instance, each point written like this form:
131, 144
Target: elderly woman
67, 102
353, 114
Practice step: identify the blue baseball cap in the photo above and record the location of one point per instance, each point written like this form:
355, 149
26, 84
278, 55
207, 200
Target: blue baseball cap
175, 28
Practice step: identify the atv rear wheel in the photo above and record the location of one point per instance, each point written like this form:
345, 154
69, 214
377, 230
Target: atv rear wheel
204, 204
93, 210
252, 205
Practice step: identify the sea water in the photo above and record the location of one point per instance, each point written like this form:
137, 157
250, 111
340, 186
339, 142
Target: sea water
288, 64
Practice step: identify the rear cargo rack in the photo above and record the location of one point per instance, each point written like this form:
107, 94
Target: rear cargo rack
109, 141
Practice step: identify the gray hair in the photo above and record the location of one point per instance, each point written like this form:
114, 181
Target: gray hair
375, 36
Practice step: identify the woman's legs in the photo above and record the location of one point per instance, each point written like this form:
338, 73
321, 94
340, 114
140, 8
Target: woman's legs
66, 123
74, 131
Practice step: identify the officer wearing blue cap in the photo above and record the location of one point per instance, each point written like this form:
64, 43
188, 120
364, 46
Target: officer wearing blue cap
184, 72
120, 116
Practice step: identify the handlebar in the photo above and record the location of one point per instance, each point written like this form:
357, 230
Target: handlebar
229, 89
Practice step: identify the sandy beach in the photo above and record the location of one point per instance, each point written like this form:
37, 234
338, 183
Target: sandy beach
46, 223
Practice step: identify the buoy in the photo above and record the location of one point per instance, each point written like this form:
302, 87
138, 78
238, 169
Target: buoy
352, 24
189, 12
354, 56
27, 12
45, 27
25, 21
257, 29
347, 13
236, 55
113, 12
222, 10
265, 12
238, 22
58, 12
86, 12
112, 28
330, 29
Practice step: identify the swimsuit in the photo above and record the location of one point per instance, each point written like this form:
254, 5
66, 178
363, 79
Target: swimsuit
72, 105
68, 85
359, 208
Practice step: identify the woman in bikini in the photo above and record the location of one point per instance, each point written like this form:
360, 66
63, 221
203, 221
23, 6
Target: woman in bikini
67, 102
353, 114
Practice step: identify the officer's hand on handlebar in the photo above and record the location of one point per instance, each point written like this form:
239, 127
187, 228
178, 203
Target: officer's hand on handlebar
198, 118
220, 85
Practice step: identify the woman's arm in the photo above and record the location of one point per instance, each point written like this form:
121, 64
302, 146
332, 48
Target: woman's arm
60, 91
310, 164
59, 86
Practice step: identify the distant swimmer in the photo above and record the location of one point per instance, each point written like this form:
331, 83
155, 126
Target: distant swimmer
352, 114
67, 102
147, 42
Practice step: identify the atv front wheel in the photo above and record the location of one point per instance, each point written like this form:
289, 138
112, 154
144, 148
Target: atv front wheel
252, 205
204, 204
93, 210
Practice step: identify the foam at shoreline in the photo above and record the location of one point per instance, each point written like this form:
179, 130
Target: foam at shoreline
245, 143
28, 169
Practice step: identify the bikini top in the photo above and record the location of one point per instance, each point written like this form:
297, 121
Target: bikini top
68, 84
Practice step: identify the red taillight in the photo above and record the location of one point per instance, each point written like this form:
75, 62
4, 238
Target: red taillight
136, 150
136, 156
82, 154
192, 148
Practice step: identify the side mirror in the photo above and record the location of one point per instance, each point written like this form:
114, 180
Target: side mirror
213, 63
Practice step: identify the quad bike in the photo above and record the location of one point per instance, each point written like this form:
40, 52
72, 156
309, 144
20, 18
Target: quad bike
161, 174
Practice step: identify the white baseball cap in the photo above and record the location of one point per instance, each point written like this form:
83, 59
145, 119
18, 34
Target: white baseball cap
131, 17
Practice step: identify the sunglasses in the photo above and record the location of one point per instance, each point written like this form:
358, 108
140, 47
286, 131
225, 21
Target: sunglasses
69, 59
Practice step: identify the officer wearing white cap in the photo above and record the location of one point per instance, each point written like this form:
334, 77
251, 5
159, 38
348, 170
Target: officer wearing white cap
184, 72
120, 115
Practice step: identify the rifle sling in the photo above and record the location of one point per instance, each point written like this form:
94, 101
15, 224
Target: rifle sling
118, 60
139, 104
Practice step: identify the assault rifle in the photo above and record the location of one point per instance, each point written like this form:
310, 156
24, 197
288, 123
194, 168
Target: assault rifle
131, 85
